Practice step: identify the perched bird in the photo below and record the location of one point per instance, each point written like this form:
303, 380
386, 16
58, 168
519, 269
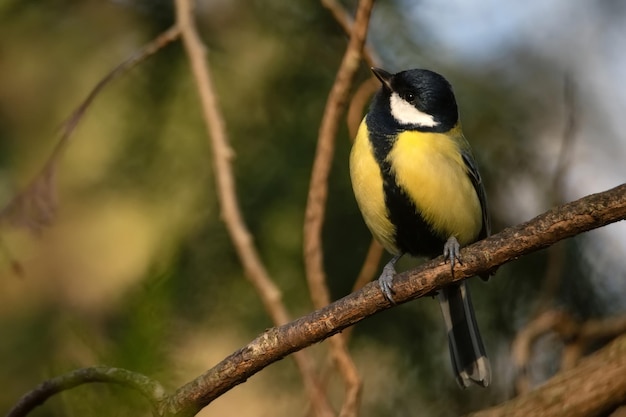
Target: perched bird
420, 193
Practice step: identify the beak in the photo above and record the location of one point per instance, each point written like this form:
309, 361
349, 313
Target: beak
383, 76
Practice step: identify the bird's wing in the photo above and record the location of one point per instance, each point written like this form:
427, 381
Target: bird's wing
480, 191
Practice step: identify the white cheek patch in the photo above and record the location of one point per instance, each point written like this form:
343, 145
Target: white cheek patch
405, 113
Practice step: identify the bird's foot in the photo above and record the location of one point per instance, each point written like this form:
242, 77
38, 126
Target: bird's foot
385, 281
452, 252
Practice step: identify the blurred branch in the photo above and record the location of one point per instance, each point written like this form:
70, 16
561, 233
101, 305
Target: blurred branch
370, 265
356, 107
359, 101
318, 188
598, 379
344, 19
366, 274
150, 389
570, 128
318, 191
544, 320
585, 334
354, 115
596, 386
35, 206
556, 253
227, 195
521, 348
576, 336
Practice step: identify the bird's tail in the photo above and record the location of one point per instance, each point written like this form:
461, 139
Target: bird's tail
466, 347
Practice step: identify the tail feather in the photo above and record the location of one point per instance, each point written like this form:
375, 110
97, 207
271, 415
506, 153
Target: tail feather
467, 352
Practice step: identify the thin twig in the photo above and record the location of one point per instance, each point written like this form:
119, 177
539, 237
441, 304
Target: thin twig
370, 265
374, 254
568, 137
150, 389
226, 189
367, 273
355, 113
353, 118
358, 103
318, 190
344, 19
35, 206
556, 254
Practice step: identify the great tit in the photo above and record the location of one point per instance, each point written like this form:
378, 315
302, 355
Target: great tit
417, 185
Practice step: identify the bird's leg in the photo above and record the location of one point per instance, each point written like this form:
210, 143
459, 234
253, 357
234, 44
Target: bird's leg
452, 252
385, 281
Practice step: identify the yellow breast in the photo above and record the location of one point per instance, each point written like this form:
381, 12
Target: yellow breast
430, 168
367, 184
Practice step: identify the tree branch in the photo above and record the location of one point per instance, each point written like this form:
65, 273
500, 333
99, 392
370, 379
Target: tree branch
565, 221
344, 19
241, 237
597, 385
318, 191
556, 254
35, 206
318, 188
359, 102
274, 344
576, 336
150, 389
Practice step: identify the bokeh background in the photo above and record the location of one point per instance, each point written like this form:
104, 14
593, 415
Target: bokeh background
137, 270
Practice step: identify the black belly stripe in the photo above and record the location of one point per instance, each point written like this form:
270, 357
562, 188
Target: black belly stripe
413, 235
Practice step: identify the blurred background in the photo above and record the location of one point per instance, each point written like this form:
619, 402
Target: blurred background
137, 270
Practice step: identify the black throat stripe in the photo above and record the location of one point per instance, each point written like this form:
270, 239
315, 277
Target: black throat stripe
412, 235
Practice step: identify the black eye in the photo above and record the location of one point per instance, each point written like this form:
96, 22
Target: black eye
410, 97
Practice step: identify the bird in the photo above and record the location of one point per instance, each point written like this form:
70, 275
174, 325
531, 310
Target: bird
419, 191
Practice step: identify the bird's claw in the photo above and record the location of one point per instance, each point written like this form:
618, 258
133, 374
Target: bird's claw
385, 282
452, 252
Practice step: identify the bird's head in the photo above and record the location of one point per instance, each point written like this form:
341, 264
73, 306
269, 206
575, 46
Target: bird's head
418, 98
